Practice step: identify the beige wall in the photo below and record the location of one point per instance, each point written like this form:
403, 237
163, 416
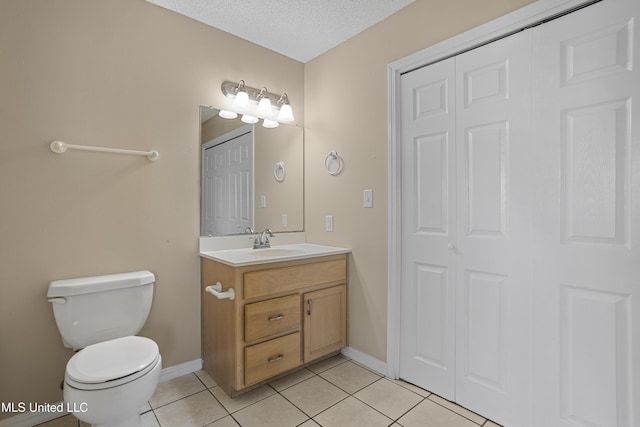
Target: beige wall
346, 110
117, 73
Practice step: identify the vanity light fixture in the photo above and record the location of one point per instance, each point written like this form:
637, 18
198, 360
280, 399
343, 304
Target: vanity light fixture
255, 104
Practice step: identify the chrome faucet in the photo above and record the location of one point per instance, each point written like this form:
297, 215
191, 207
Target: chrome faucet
256, 238
262, 239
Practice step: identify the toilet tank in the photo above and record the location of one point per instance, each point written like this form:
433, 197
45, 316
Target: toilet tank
93, 309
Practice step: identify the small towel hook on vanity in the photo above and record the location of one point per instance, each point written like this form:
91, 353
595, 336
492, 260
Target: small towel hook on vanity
216, 290
333, 163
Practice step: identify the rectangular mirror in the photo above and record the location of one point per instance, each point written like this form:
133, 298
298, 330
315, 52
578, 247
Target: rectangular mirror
251, 176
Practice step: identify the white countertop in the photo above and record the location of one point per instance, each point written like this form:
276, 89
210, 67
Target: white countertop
278, 253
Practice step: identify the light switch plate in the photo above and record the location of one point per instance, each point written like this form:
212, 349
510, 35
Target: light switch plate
328, 220
367, 198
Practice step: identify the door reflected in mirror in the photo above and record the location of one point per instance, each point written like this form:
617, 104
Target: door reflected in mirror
251, 176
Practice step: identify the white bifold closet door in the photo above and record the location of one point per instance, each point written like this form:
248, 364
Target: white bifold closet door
466, 220
587, 218
521, 223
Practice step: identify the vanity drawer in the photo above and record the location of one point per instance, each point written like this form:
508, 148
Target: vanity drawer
276, 280
271, 358
271, 317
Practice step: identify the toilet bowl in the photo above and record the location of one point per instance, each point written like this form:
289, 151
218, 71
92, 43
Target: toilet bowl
115, 372
107, 383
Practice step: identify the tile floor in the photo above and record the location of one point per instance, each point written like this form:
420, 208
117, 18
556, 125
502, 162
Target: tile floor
334, 392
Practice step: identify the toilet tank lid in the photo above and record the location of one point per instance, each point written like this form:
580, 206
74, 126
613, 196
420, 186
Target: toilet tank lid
87, 285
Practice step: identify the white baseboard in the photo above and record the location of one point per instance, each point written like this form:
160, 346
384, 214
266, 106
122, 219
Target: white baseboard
176, 371
30, 419
365, 360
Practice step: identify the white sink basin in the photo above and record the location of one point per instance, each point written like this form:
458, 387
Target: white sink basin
275, 252
249, 256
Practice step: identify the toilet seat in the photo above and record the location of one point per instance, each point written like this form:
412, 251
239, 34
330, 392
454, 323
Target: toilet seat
112, 363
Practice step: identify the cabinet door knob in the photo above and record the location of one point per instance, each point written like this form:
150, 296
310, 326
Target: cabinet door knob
451, 247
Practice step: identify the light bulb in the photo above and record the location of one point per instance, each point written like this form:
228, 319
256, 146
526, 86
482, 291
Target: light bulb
286, 113
249, 119
270, 124
264, 107
242, 99
225, 114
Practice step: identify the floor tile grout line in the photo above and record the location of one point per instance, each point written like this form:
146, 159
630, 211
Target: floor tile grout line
156, 417
329, 368
393, 419
295, 384
348, 392
183, 397
375, 409
454, 403
311, 417
252, 403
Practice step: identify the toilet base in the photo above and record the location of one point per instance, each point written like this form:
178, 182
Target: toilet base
117, 406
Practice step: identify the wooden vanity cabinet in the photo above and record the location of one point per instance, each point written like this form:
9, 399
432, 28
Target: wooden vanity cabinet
284, 315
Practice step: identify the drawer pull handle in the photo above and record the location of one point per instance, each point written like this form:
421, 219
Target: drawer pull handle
309, 307
277, 358
278, 317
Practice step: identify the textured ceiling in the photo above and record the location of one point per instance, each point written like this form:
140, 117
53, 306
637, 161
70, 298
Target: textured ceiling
299, 29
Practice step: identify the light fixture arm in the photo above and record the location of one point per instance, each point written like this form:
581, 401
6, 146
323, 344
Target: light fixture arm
284, 99
240, 86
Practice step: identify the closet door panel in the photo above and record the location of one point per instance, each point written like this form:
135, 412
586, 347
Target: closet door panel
428, 228
485, 162
587, 215
493, 312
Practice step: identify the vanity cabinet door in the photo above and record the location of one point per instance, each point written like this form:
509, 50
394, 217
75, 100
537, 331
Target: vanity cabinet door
325, 321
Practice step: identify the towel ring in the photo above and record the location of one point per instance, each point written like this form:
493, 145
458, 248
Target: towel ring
279, 173
333, 163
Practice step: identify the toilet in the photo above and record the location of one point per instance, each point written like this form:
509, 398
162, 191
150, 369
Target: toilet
114, 373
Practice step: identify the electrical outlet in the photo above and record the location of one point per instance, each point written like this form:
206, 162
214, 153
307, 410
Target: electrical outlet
284, 220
